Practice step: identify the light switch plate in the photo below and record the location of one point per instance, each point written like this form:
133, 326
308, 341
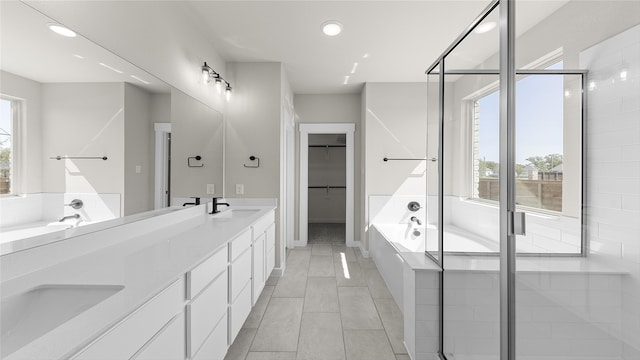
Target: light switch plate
211, 189
239, 189
138, 169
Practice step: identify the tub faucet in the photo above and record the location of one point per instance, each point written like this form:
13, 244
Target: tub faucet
196, 202
416, 220
74, 216
214, 207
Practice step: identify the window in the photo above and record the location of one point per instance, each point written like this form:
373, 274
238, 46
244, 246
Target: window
9, 112
540, 124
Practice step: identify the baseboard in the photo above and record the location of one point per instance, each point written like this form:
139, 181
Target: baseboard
277, 272
365, 253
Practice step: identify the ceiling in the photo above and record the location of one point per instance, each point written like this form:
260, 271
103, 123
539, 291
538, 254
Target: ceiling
391, 41
31, 50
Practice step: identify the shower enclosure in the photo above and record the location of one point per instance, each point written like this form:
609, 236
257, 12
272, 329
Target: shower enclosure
533, 130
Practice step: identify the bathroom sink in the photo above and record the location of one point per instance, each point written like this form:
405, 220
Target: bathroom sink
235, 213
27, 316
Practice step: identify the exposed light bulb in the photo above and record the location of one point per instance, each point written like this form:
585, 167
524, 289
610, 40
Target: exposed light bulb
206, 75
219, 85
227, 92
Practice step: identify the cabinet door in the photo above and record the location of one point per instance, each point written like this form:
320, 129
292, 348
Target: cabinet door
240, 309
168, 344
258, 267
206, 311
240, 274
215, 347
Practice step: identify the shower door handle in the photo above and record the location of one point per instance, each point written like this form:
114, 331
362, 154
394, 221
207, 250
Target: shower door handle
518, 223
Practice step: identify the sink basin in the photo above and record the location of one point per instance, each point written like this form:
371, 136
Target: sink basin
27, 316
236, 213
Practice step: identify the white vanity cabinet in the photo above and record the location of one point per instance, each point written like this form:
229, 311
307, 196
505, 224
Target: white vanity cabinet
240, 284
143, 328
262, 264
207, 293
199, 315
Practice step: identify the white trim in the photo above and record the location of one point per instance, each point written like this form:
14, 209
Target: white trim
161, 171
365, 253
328, 128
277, 272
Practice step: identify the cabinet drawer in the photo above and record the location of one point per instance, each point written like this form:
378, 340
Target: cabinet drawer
215, 346
262, 224
205, 311
240, 273
240, 309
168, 344
202, 274
125, 338
271, 237
240, 244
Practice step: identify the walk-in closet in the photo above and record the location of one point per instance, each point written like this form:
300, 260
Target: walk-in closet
327, 188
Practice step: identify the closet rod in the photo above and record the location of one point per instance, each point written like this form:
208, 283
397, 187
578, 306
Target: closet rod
327, 146
327, 187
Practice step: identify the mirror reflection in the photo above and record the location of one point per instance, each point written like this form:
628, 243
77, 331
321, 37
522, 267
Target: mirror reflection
78, 132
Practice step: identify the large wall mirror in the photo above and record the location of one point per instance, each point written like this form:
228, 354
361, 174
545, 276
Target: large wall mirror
79, 123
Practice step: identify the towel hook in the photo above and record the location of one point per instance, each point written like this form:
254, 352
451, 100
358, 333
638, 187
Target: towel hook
253, 158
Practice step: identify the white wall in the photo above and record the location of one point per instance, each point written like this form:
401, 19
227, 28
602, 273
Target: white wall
253, 127
31, 151
196, 129
339, 108
613, 172
83, 120
395, 127
138, 192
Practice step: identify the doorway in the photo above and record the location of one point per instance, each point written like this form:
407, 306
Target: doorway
162, 192
326, 189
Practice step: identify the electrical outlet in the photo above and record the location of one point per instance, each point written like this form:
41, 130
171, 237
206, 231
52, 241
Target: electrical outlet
211, 189
239, 189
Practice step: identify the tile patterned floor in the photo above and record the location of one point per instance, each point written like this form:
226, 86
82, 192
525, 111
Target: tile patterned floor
331, 304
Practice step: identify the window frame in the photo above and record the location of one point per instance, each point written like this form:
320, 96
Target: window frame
17, 111
471, 102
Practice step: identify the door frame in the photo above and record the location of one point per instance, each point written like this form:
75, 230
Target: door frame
160, 198
348, 129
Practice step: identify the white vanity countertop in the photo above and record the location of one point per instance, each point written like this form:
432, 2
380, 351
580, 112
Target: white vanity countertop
145, 265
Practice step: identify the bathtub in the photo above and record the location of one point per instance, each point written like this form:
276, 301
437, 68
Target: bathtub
39, 228
408, 238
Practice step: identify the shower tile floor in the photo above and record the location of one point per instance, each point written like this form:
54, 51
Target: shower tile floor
331, 303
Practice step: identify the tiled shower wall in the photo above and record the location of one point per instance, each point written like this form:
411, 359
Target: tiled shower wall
613, 172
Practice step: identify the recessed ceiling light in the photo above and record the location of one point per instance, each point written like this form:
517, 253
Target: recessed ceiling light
141, 80
110, 68
61, 30
485, 27
331, 28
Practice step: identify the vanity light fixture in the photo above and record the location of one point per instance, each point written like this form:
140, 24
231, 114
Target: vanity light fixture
61, 30
331, 28
227, 91
208, 73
